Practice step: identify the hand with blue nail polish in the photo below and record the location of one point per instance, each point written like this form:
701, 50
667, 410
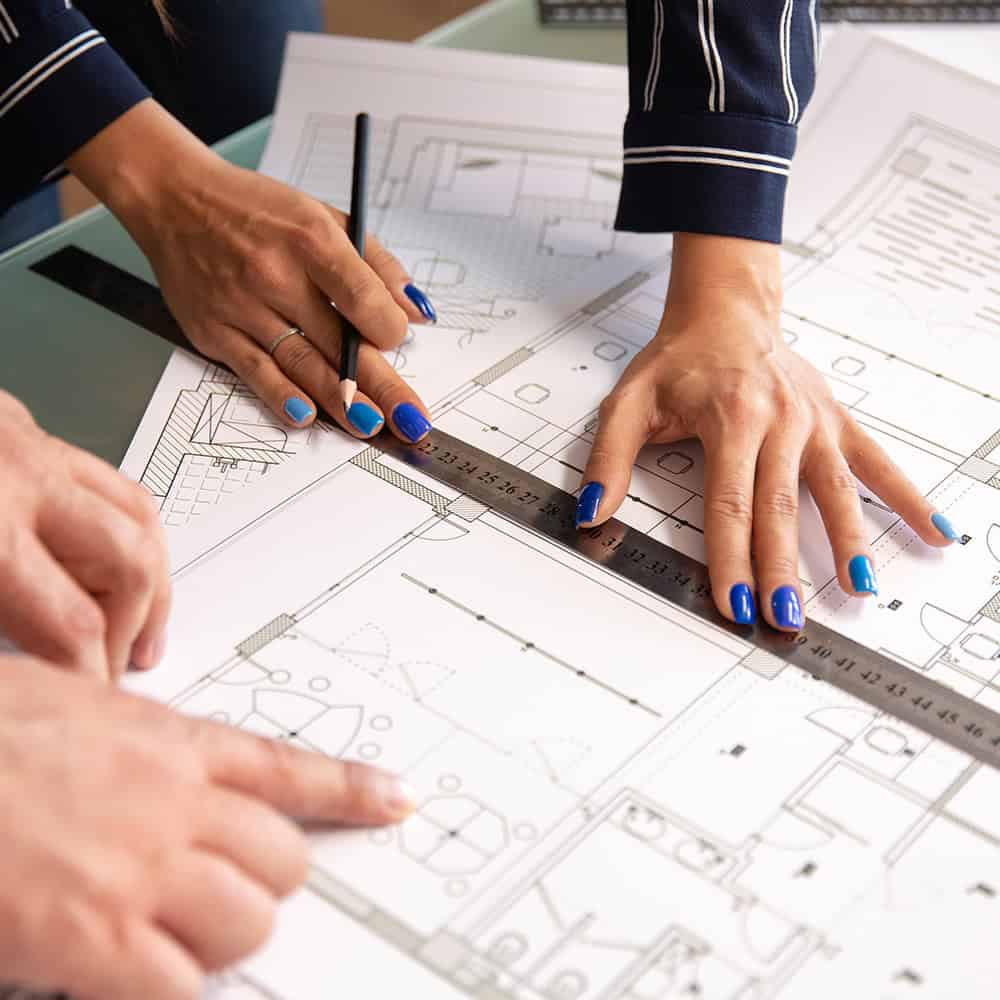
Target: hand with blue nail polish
243, 259
720, 370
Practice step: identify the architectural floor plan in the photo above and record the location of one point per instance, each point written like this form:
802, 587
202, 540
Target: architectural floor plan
488, 218
619, 801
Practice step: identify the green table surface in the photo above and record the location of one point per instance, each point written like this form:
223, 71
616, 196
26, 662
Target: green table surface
88, 375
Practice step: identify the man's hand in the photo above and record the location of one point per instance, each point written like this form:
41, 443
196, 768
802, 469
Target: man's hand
83, 561
143, 849
720, 370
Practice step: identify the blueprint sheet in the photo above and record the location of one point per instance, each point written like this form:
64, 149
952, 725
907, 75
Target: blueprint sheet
494, 180
617, 800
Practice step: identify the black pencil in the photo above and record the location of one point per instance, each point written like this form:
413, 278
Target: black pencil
356, 230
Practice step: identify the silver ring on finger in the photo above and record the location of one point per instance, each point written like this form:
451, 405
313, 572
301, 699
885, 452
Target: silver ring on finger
278, 341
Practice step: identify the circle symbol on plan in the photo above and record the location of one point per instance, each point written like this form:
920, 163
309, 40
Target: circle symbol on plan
280, 677
381, 723
320, 684
369, 751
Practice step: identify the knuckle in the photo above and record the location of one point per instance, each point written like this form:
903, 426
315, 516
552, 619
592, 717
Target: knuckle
249, 365
730, 503
782, 565
782, 503
85, 620
297, 357
841, 482
318, 232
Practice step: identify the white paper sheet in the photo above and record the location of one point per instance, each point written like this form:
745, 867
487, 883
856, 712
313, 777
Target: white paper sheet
494, 180
619, 801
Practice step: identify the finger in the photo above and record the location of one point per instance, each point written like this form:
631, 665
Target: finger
266, 846
314, 365
776, 529
623, 428
307, 366
414, 301
835, 491
301, 784
48, 614
111, 557
148, 963
136, 501
334, 267
883, 477
214, 910
261, 373
730, 468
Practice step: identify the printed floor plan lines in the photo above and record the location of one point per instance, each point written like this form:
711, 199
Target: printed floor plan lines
616, 801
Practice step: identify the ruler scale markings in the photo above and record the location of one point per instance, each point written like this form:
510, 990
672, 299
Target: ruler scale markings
825, 654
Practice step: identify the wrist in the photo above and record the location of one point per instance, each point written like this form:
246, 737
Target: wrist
747, 271
141, 165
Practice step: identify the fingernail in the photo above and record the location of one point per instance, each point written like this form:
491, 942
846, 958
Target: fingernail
397, 796
412, 424
420, 300
364, 418
298, 409
945, 527
741, 601
590, 499
786, 607
863, 575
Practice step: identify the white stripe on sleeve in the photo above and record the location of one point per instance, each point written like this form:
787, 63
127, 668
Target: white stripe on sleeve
36, 76
657, 58
709, 64
8, 29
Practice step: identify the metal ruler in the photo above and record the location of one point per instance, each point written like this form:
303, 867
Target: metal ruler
827, 655
612, 12
878, 680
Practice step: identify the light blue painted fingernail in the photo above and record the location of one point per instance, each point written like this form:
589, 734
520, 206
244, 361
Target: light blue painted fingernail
945, 527
410, 422
364, 418
298, 409
863, 575
420, 300
787, 608
741, 601
590, 499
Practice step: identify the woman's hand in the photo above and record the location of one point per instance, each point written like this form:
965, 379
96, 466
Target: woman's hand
83, 560
143, 849
719, 370
241, 259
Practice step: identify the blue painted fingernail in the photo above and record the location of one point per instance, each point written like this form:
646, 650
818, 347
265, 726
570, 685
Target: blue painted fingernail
590, 499
945, 527
741, 601
410, 422
298, 409
364, 418
420, 300
786, 607
863, 575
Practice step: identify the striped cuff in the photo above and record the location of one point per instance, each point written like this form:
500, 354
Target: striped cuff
723, 174
60, 84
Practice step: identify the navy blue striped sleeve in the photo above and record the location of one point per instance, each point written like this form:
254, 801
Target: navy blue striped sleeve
60, 84
716, 88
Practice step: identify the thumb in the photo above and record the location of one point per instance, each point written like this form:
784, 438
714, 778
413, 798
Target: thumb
624, 426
